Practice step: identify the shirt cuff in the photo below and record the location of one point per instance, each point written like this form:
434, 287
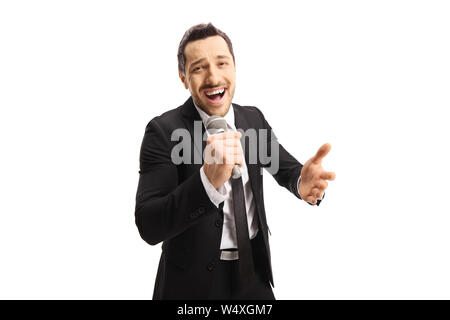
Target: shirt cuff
298, 184
215, 196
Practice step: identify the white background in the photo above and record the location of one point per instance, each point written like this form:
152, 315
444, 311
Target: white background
79, 81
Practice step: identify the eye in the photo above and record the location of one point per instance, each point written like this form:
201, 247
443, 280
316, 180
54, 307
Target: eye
195, 69
222, 63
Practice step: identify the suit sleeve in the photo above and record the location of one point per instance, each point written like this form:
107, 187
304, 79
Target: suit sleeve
165, 207
289, 169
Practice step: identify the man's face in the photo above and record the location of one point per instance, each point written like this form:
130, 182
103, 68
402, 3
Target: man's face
210, 67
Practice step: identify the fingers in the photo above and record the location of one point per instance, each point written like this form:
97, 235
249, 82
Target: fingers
321, 153
230, 155
225, 148
228, 135
235, 159
311, 199
321, 185
317, 193
219, 158
225, 140
328, 175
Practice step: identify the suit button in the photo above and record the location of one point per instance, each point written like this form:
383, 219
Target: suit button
219, 223
211, 265
201, 210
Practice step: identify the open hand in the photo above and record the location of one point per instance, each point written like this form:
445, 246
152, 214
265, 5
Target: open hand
313, 181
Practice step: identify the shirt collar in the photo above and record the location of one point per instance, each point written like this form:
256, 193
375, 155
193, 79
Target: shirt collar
229, 117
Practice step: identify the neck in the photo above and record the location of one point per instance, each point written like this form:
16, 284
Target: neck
220, 113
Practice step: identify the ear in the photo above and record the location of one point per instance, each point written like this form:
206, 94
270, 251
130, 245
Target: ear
183, 79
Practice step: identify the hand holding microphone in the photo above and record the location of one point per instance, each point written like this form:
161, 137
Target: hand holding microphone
223, 152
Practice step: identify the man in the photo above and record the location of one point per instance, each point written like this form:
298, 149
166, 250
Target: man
213, 227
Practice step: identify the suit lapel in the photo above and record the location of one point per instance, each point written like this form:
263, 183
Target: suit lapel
241, 123
192, 120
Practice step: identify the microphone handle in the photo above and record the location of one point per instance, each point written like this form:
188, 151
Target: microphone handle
236, 173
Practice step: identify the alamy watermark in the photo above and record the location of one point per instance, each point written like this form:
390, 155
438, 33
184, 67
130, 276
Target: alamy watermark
259, 144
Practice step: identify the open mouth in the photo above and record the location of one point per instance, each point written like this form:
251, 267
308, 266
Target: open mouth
216, 96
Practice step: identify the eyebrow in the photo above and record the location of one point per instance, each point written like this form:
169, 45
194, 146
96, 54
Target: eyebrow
218, 57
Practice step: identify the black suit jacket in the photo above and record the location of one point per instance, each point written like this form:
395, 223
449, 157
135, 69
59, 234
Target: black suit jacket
173, 207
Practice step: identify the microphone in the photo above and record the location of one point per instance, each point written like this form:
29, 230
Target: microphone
217, 124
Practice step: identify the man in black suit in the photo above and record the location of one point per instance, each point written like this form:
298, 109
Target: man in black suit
213, 227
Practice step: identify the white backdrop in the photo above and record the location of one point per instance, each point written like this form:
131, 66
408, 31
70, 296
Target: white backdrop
79, 81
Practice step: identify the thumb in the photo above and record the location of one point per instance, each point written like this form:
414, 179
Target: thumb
321, 153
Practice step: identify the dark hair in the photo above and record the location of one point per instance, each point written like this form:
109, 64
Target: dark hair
197, 32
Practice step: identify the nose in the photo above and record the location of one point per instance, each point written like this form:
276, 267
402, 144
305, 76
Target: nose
212, 76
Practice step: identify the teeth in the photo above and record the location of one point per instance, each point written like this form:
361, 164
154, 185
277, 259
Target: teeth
215, 92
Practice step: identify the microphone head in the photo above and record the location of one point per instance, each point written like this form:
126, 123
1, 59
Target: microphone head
216, 124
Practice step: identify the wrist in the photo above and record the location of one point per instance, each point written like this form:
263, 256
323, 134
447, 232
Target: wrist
209, 177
